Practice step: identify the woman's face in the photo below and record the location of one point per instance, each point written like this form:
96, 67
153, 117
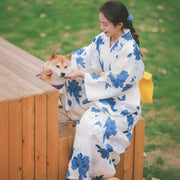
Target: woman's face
108, 27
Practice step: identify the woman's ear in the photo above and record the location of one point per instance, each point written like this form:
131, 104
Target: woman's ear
120, 25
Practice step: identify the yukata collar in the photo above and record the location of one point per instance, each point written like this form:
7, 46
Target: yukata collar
127, 34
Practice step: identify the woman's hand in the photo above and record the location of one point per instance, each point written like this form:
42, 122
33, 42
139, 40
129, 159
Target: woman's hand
75, 74
47, 71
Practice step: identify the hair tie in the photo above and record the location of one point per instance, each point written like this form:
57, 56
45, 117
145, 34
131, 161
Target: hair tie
130, 18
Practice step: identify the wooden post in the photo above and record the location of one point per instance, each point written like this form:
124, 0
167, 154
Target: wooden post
40, 137
52, 135
15, 139
4, 146
28, 138
139, 149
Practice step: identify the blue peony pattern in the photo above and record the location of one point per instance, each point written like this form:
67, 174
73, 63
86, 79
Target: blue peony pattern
105, 152
136, 52
115, 45
118, 81
80, 61
130, 121
127, 36
110, 126
81, 163
110, 101
95, 76
74, 90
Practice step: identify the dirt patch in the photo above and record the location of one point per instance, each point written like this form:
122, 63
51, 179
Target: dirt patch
170, 157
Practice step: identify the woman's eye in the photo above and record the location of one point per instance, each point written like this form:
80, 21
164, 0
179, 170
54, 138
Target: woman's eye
57, 66
65, 67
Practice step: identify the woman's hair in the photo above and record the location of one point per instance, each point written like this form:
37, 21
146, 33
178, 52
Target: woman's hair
116, 12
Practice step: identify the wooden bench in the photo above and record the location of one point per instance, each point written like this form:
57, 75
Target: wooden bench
35, 141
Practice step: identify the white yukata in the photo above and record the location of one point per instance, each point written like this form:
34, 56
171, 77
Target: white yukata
105, 129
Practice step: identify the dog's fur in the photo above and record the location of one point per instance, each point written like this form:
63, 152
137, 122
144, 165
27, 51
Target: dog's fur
60, 66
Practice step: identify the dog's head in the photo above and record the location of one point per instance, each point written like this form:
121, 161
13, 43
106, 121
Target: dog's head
60, 65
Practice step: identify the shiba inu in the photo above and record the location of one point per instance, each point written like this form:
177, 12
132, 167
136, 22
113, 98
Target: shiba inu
60, 66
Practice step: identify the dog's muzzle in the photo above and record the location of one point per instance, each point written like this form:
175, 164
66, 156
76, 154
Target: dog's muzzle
62, 74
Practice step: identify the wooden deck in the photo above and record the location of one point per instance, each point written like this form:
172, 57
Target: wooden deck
35, 140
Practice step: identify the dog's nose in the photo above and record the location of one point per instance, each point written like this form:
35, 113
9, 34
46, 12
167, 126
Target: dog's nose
62, 74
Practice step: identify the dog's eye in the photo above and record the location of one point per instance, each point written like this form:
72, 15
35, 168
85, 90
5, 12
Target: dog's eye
65, 67
57, 66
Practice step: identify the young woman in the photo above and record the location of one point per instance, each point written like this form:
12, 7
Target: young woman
107, 74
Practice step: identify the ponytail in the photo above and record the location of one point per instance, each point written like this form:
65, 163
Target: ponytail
129, 25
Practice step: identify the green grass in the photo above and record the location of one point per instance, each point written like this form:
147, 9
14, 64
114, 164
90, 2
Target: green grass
73, 24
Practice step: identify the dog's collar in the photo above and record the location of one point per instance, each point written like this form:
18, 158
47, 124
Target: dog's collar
39, 76
55, 86
58, 86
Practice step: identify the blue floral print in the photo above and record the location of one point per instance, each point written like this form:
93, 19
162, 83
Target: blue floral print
82, 164
119, 79
130, 121
109, 101
125, 112
105, 152
128, 86
115, 45
123, 98
95, 76
136, 52
74, 89
129, 135
127, 36
80, 61
99, 42
93, 109
110, 126
78, 52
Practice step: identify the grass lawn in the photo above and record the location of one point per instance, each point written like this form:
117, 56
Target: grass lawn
43, 26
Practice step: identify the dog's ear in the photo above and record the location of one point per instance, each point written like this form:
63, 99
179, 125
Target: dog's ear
53, 56
69, 56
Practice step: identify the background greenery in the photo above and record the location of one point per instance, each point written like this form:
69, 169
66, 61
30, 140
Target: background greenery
42, 26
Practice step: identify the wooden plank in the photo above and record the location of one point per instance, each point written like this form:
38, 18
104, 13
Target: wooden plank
28, 76
4, 170
65, 149
66, 130
52, 135
20, 61
21, 52
19, 86
15, 139
124, 170
128, 161
28, 138
139, 149
40, 137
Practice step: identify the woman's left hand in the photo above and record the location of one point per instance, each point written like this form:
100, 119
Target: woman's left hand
75, 74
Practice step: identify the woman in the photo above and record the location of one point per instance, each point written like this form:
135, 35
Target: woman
109, 70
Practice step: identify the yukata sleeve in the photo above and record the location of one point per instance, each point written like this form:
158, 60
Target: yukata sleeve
126, 71
76, 94
83, 58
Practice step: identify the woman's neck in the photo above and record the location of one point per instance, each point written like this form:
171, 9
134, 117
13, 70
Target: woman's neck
115, 37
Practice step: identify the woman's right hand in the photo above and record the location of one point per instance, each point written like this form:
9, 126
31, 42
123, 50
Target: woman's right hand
47, 71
